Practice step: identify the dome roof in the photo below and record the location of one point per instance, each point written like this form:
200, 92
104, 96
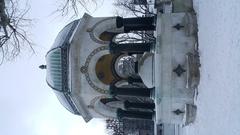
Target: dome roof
57, 59
57, 67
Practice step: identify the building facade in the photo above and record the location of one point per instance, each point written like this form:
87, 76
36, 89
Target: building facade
83, 68
95, 77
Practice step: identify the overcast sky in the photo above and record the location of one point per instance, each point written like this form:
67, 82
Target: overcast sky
28, 105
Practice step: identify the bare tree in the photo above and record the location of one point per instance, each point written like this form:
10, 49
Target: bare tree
66, 7
130, 8
135, 37
13, 33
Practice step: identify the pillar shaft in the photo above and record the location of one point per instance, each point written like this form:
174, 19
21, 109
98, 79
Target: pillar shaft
136, 24
108, 100
129, 105
134, 80
142, 92
135, 114
137, 48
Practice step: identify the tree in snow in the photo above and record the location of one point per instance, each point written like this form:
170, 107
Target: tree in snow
114, 127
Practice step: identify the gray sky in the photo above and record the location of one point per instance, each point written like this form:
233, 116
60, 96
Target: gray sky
28, 105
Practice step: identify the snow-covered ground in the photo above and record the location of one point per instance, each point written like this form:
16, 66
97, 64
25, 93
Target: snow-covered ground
218, 100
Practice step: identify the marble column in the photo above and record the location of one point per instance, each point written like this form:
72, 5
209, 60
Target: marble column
131, 105
134, 114
136, 23
135, 48
141, 92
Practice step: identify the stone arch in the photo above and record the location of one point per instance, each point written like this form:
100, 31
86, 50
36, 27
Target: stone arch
106, 106
107, 69
104, 30
104, 69
89, 69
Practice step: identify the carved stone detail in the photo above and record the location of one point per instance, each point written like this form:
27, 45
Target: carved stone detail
84, 69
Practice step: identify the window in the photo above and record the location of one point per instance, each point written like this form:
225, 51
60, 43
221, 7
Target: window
54, 69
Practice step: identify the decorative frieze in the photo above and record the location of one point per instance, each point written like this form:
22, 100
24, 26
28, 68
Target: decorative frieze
84, 69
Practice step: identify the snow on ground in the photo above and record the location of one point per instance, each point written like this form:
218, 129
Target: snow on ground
218, 101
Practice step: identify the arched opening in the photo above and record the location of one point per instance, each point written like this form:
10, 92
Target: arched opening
104, 30
103, 69
111, 68
107, 36
125, 66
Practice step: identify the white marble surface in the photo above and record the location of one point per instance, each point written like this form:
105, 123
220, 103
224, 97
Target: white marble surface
171, 49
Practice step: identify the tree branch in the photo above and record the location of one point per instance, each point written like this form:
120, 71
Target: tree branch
13, 32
